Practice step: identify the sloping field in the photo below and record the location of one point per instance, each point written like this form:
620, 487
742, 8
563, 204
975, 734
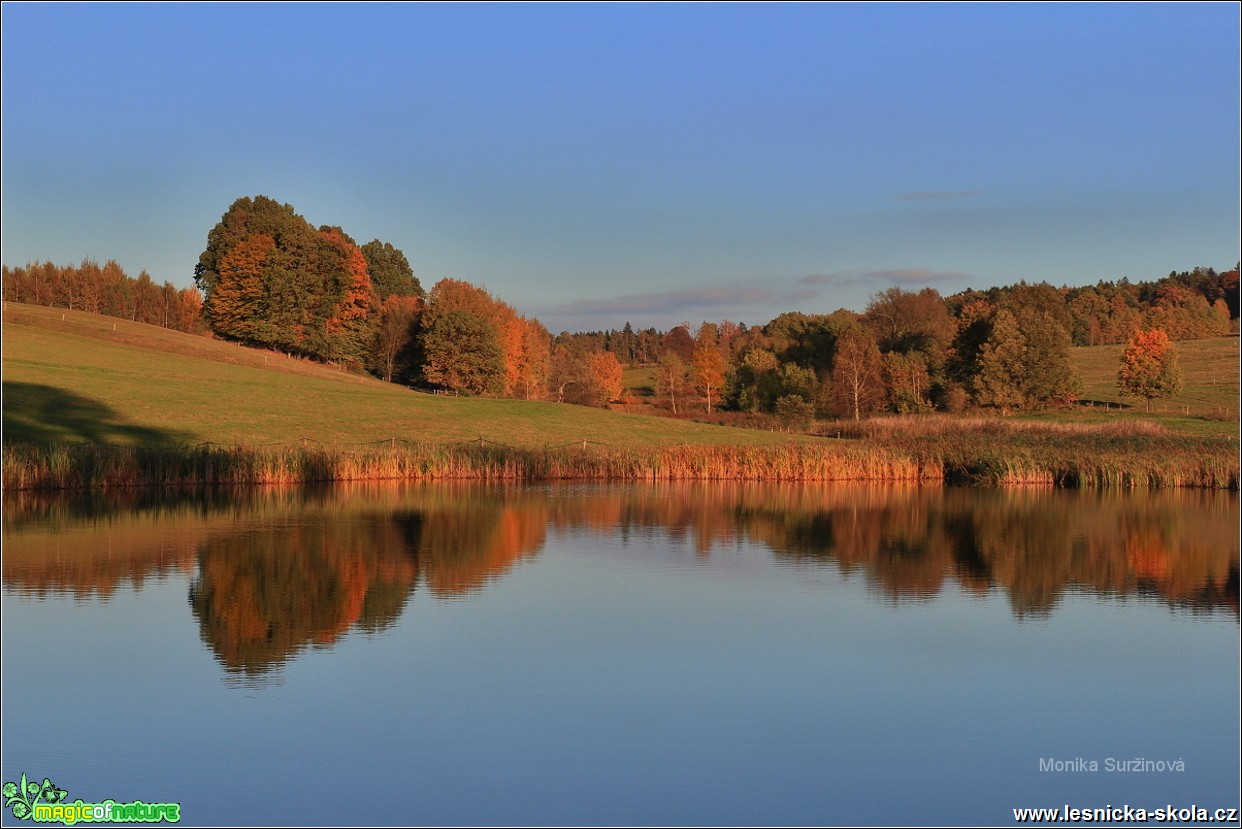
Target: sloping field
1207, 404
71, 376
1209, 374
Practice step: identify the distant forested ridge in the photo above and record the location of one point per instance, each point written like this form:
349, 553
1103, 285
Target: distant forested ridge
270, 278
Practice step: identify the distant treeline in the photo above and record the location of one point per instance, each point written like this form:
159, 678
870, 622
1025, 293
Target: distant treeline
106, 290
1187, 305
1004, 348
269, 278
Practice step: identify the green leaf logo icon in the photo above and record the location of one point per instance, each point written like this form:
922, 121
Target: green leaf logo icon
22, 796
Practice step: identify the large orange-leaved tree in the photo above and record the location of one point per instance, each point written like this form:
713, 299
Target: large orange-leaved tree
1149, 367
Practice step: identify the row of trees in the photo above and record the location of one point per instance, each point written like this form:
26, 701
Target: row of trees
105, 290
906, 353
269, 278
1006, 348
1186, 305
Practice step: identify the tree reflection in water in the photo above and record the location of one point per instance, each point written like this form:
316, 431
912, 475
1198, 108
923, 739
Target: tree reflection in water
275, 571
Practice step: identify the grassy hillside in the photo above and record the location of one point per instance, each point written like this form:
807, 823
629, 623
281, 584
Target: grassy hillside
72, 376
1209, 373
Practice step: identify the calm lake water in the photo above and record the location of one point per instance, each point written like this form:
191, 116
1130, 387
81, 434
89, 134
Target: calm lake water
698, 654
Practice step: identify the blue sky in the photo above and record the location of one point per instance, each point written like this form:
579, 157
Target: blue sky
593, 164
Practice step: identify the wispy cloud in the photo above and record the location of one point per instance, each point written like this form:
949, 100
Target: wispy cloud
899, 276
824, 279
916, 275
937, 195
687, 301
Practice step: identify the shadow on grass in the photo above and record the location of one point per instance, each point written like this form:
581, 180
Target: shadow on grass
35, 413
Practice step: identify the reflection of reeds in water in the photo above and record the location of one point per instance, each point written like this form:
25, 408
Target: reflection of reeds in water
893, 450
1124, 455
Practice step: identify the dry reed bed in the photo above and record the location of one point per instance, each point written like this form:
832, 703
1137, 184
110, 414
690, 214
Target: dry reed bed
1129, 454
96, 466
912, 450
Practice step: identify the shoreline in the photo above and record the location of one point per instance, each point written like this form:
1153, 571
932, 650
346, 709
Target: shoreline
1030, 458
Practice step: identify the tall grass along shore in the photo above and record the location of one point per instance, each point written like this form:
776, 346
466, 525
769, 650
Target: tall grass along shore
984, 451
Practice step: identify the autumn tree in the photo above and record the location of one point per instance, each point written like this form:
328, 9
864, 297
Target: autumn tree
671, 378
678, 341
754, 384
235, 306
394, 334
856, 380
973, 327
907, 381
534, 361
245, 217
391, 274
523, 351
1229, 291
1049, 376
906, 322
564, 371
808, 340
1149, 367
463, 354
1185, 314
316, 294
794, 411
709, 364
998, 379
729, 335
105, 290
351, 300
1103, 314
1025, 363
1023, 300
603, 379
